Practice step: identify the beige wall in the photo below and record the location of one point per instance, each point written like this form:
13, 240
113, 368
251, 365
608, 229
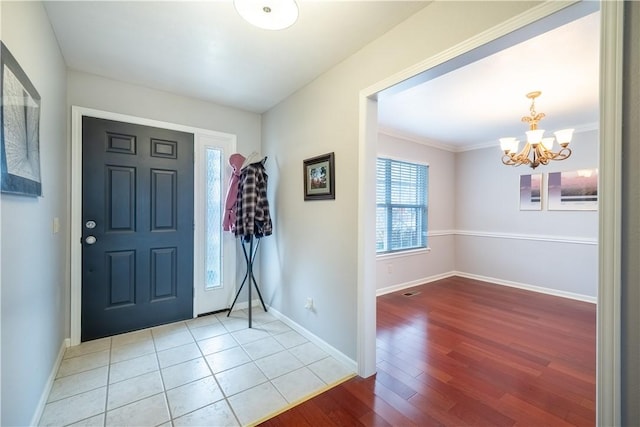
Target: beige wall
35, 298
91, 91
499, 241
314, 253
395, 270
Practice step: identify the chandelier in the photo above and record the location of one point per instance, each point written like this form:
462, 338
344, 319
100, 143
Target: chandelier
538, 150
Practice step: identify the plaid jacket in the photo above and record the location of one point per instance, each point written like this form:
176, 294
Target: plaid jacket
252, 206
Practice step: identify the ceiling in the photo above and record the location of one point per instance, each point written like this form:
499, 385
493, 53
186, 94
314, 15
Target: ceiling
474, 105
203, 49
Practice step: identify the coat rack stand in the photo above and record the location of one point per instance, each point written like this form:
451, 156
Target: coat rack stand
249, 257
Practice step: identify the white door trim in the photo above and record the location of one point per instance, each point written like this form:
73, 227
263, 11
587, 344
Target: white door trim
76, 194
608, 370
608, 340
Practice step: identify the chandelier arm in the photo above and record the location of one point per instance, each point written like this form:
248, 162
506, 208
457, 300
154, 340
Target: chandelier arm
564, 153
523, 156
508, 160
545, 155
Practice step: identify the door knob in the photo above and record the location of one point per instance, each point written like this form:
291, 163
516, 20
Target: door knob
90, 240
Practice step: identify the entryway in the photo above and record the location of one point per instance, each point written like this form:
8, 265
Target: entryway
147, 245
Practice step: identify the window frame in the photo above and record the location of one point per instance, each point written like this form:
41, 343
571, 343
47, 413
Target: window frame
389, 206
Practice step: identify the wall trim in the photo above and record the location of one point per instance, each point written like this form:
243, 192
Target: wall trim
532, 237
527, 287
315, 339
417, 139
608, 342
579, 128
411, 284
394, 133
439, 233
491, 280
512, 236
35, 420
516, 236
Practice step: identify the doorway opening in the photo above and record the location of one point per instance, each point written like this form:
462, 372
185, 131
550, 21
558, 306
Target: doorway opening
608, 377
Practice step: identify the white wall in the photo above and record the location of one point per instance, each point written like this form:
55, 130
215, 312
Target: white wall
315, 250
395, 271
35, 300
495, 239
91, 91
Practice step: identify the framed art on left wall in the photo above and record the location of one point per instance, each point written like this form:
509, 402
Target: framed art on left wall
19, 129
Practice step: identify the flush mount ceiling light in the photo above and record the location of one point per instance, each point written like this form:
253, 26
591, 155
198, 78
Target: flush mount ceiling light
268, 14
538, 150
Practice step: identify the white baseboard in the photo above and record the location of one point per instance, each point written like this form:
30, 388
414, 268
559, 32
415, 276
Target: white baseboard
401, 286
244, 304
539, 289
316, 340
47, 388
525, 286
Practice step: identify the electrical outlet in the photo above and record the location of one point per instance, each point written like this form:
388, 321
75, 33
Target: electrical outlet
56, 225
389, 268
309, 304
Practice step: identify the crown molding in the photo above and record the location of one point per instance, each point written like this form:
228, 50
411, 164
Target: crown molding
585, 127
417, 139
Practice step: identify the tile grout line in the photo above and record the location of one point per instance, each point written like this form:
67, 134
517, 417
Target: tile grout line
226, 398
224, 395
106, 399
164, 387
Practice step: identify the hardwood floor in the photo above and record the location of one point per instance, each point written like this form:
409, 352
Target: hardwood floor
463, 352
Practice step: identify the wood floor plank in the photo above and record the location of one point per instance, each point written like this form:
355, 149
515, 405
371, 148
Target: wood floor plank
464, 352
364, 390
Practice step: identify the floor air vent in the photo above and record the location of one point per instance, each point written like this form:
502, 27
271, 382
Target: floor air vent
410, 294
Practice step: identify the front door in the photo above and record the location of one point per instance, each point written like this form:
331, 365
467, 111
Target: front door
137, 219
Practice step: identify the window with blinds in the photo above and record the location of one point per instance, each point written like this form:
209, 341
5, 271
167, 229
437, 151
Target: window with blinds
401, 205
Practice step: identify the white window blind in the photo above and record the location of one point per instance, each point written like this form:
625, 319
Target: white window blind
401, 205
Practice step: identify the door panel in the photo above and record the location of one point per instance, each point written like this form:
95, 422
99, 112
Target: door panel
138, 189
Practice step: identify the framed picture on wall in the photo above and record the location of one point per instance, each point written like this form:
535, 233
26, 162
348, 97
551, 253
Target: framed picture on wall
319, 177
19, 129
575, 190
531, 192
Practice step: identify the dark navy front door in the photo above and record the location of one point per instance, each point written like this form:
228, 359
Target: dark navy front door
137, 220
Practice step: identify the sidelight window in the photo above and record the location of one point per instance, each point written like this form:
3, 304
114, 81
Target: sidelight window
213, 218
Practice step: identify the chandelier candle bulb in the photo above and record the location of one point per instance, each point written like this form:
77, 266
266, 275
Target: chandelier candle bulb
547, 143
535, 136
507, 144
564, 136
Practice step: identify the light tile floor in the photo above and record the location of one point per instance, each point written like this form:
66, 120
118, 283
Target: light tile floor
209, 371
